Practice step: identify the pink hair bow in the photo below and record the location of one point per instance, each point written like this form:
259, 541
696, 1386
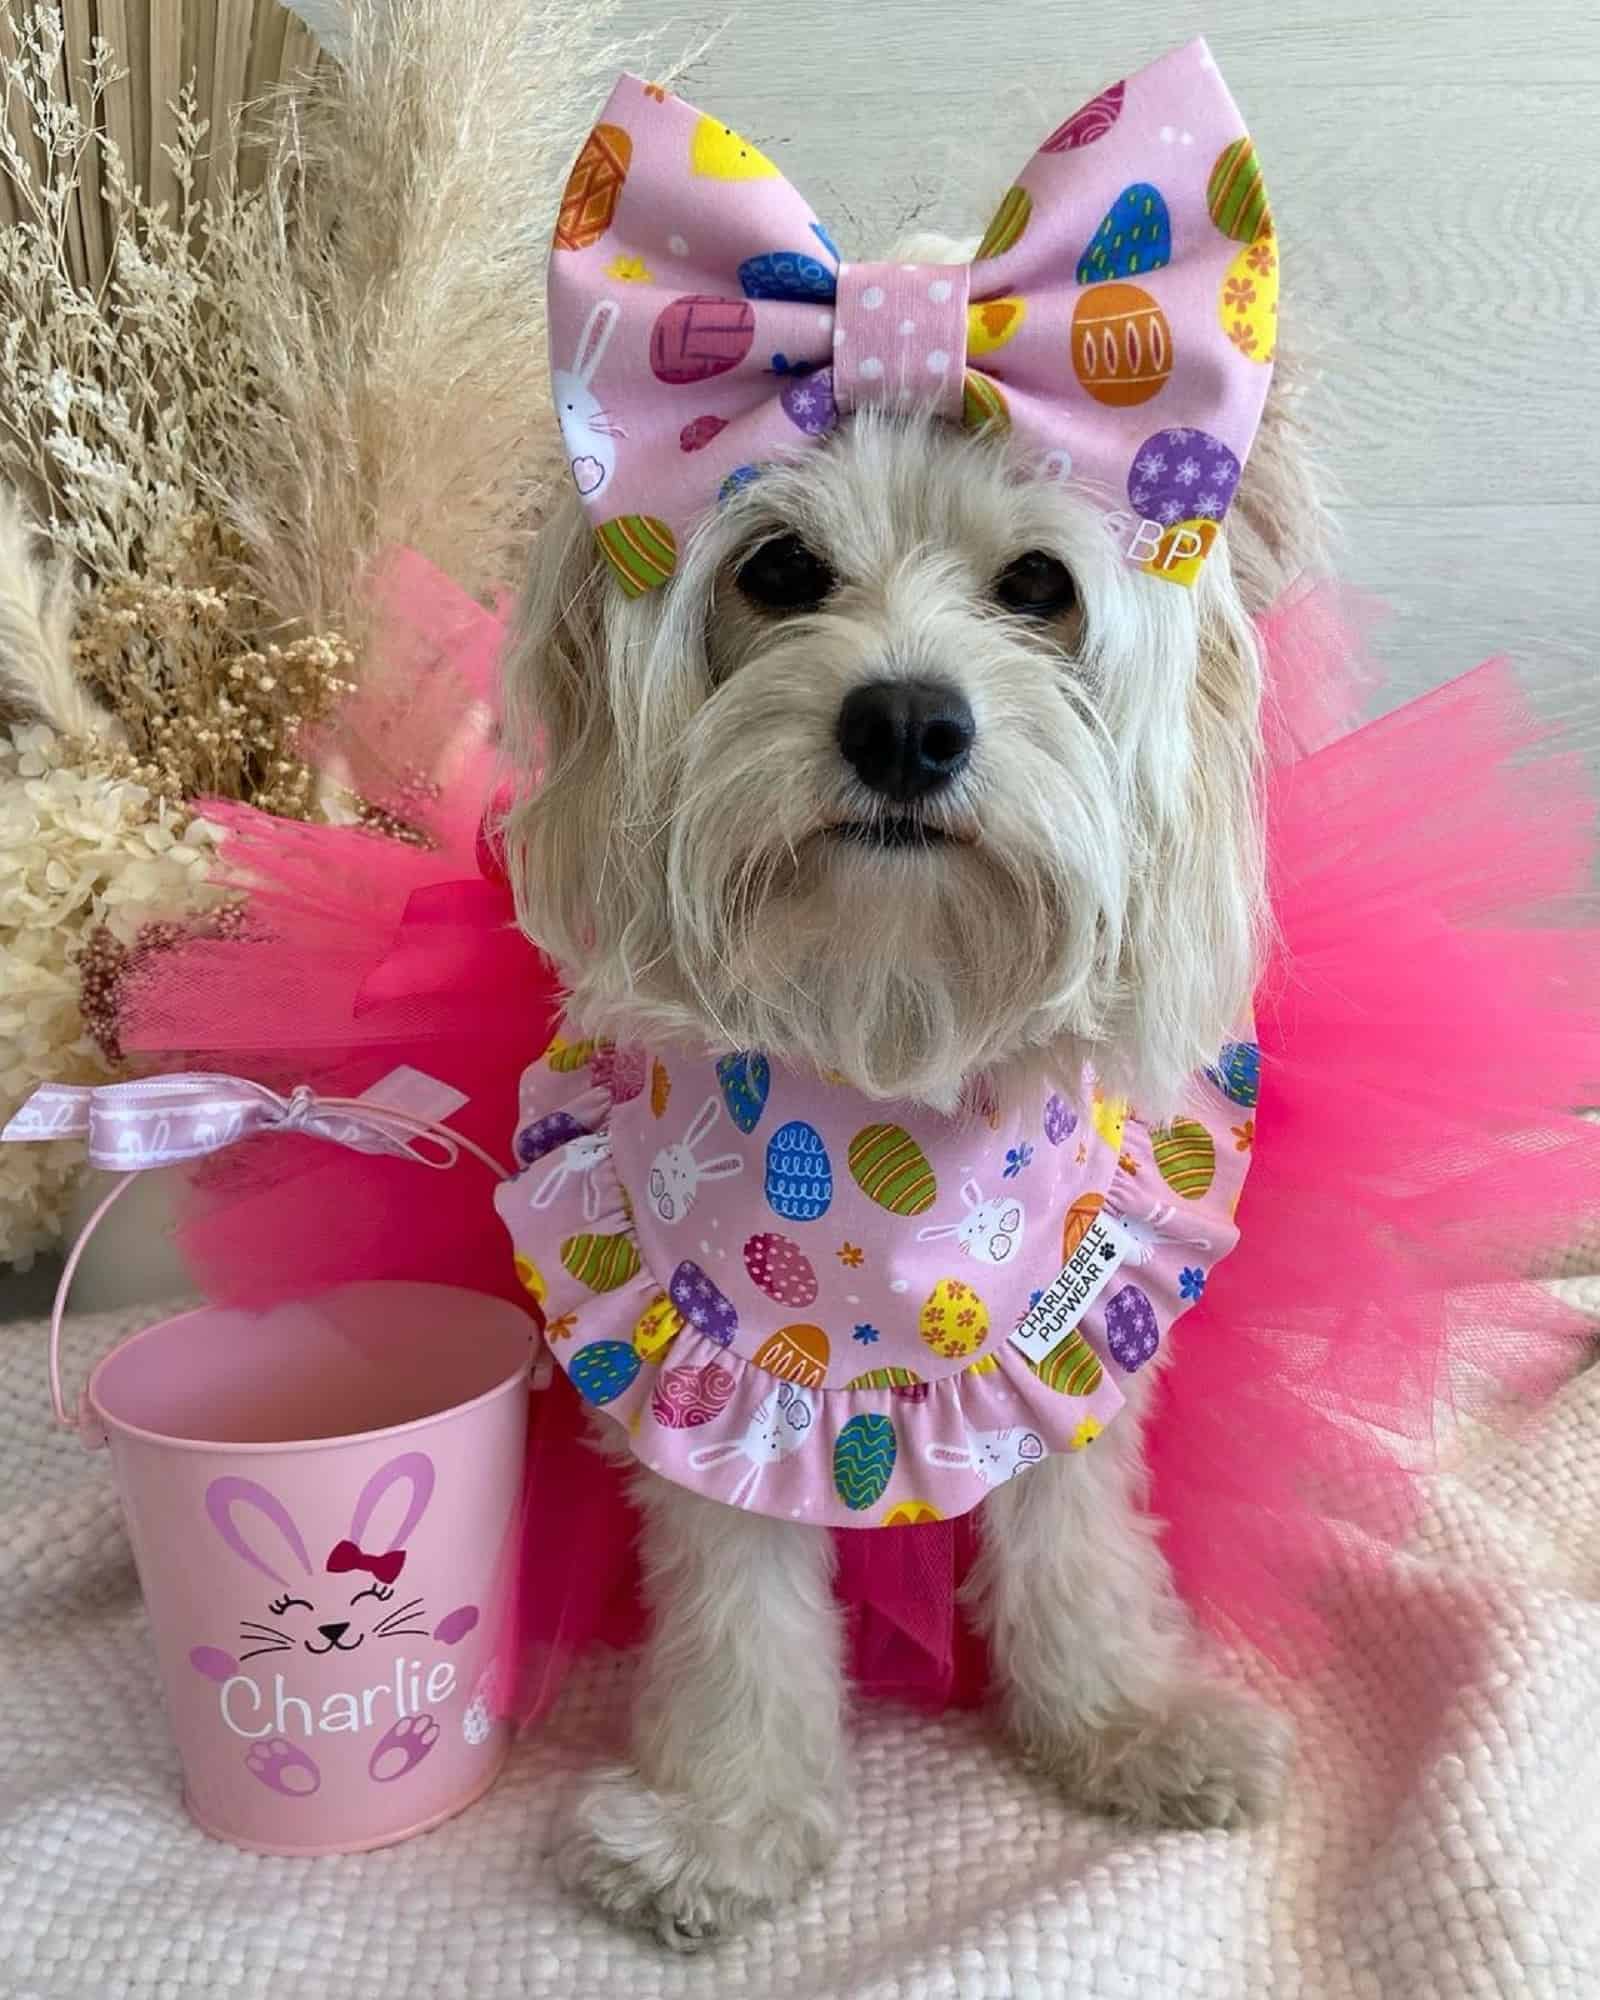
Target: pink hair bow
1119, 318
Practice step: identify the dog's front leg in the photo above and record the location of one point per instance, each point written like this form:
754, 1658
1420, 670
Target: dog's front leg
732, 1798
1100, 1675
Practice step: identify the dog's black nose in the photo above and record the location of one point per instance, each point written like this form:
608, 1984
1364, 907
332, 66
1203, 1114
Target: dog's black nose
334, 1633
906, 738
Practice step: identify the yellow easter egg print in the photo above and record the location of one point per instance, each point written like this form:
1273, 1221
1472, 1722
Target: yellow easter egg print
991, 323
718, 152
532, 1279
1248, 304
1110, 1115
564, 1056
1182, 550
657, 1327
955, 1321
986, 1364
907, 1513
1085, 1434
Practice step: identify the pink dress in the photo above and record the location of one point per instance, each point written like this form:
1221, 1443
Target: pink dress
857, 1315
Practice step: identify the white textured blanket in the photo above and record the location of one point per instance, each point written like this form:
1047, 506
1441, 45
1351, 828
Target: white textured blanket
1442, 1838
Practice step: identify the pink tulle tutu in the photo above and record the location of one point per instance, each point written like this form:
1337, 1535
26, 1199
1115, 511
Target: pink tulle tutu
1427, 1028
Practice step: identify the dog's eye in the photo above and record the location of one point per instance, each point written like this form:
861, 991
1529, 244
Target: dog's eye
1037, 585
784, 575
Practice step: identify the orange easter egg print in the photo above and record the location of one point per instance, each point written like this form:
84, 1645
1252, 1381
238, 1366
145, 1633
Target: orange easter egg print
795, 1354
660, 1089
1181, 551
1121, 345
907, 1513
1080, 1219
589, 200
531, 1279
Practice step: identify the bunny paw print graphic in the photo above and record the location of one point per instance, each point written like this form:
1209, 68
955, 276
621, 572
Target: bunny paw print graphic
587, 430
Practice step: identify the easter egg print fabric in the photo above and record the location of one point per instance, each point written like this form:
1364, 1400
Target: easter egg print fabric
799, 1300
705, 326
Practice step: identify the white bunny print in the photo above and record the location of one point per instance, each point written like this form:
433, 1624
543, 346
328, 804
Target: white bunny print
778, 1429
1146, 1234
587, 431
995, 1456
676, 1174
991, 1231
578, 1160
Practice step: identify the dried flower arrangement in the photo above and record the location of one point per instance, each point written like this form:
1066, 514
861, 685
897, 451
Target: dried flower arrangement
244, 353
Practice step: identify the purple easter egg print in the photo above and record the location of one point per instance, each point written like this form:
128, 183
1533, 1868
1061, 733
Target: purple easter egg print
700, 336
556, 1128
1092, 122
705, 1308
1060, 1120
1131, 1330
699, 432
808, 402
1182, 475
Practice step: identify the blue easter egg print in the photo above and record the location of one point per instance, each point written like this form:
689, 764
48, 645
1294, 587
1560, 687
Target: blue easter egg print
1136, 236
556, 1128
736, 481
1238, 1073
863, 1460
787, 274
744, 1080
703, 1303
799, 1173
602, 1370
826, 241
1132, 1332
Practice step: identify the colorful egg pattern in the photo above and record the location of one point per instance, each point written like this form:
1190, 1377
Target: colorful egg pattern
863, 1459
1248, 304
1080, 1219
1132, 1333
1181, 550
660, 1089
1093, 122
744, 1080
781, 1269
787, 274
640, 549
954, 1321
1072, 1368
736, 481
1238, 1073
556, 1128
909, 1513
700, 336
703, 1304
799, 1179
531, 1279
656, 1328
887, 1378
891, 1169
602, 1370
795, 1354
1060, 1120
699, 431
1011, 218
620, 1071
1135, 236
686, 1398
1109, 1115
982, 403
1121, 345
1186, 1157
601, 1262
992, 322
564, 1057
718, 152
807, 401
1236, 194
589, 200
1181, 474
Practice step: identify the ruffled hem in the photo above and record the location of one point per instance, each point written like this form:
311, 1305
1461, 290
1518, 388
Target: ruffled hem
896, 1452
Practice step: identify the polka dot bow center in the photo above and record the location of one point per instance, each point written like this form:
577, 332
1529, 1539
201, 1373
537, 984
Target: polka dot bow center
1118, 320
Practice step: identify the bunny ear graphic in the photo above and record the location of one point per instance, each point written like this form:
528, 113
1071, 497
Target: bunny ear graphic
226, 1498
413, 1469
594, 339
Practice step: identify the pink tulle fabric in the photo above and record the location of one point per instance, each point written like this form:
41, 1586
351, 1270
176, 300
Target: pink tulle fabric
1428, 1033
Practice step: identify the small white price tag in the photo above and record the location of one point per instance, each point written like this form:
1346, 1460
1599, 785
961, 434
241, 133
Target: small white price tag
415, 1094
1082, 1279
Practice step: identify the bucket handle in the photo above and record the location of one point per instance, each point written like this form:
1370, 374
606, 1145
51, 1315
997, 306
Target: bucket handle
161, 1121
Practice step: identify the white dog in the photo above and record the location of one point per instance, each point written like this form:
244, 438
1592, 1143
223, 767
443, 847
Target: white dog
906, 777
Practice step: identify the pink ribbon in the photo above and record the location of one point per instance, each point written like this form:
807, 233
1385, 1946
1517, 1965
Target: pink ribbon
159, 1121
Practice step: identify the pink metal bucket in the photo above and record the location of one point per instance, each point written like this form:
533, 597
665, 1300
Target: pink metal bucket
323, 1506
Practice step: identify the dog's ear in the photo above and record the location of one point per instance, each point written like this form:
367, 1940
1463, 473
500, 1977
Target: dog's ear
558, 737
1278, 526
1196, 916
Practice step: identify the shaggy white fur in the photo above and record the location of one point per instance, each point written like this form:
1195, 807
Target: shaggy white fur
1088, 885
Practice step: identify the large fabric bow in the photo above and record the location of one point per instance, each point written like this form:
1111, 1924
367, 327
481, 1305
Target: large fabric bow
1119, 317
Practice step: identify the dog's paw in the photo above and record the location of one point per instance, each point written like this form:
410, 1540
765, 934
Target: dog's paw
1208, 1757
660, 1862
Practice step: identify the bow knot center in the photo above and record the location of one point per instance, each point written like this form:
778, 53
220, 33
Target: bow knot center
900, 336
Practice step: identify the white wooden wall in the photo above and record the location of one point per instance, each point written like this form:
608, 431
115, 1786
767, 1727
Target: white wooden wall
1435, 176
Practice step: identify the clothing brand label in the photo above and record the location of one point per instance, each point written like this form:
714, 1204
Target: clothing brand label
1083, 1277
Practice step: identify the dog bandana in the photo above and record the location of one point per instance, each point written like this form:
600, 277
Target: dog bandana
1119, 317
817, 1306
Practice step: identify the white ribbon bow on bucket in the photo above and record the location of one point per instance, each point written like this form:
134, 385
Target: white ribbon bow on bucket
161, 1121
